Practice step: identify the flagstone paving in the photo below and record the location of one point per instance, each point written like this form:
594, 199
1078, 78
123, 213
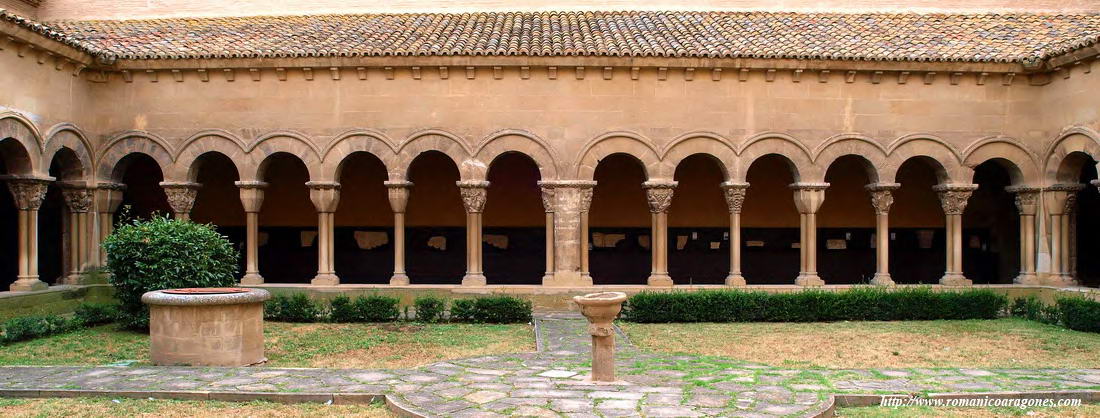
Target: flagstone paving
551, 382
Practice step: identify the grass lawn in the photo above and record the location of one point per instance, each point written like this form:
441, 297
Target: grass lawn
390, 345
1006, 343
106, 407
915, 412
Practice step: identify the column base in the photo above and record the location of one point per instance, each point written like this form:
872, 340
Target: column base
735, 280
955, 279
567, 279
327, 279
252, 279
473, 280
1060, 280
399, 280
1026, 278
659, 280
882, 279
809, 279
28, 284
73, 279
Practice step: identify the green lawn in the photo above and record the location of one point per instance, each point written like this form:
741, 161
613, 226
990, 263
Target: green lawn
106, 407
391, 345
1000, 343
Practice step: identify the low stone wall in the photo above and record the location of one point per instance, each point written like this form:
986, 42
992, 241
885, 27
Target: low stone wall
55, 300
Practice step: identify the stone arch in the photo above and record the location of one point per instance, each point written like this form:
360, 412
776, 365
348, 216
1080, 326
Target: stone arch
441, 141
869, 151
68, 136
793, 152
358, 140
610, 143
127, 143
186, 165
22, 130
947, 163
277, 142
522, 142
1060, 165
706, 143
1010, 154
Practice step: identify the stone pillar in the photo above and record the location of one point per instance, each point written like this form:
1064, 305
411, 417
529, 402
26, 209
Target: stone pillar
1027, 203
108, 197
548, 207
1060, 200
953, 199
735, 198
659, 195
78, 198
808, 198
252, 199
399, 198
473, 197
181, 197
882, 198
326, 197
28, 193
570, 202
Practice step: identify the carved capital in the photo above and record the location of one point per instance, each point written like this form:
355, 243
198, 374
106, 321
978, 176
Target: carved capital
735, 195
252, 195
325, 195
181, 196
28, 192
659, 194
78, 198
954, 197
808, 197
1027, 198
473, 194
108, 196
568, 195
1061, 199
547, 199
882, 196
398, 192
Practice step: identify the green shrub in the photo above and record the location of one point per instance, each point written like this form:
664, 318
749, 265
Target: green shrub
429, 308
163, 253
858, 304
1032, 309
298, 308
29, 327
492, 310
377, 308
1079, 314
341, 310
90, 314
463, 310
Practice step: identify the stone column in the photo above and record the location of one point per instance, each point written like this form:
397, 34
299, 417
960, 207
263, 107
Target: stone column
1060, 200
252, 199
1027, 203
78, 198
882, 198
808, 198
326, 197
28, 193
548, 207
473, 197
399, 198
181, 197
953, 199
570, 201
659, 195
108, 197
735, 198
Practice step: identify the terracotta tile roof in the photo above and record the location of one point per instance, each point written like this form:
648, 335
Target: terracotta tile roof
868, 36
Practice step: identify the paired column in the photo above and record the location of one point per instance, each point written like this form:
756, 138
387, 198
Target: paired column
78, 198
1060, 201
659, 195
808, 198
1027, 203
181, 197
28, 193
252, 199
473, 197
399, 199
548, 207
953, 199
735, 199
882, 198
570, 201
326, 197
108, 197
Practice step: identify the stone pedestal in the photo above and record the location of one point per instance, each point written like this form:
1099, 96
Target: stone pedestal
600, 309
221, 327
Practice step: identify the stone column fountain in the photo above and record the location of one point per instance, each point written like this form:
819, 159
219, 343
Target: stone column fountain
600, 309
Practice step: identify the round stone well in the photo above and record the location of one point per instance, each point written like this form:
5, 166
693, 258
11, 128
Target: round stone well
206, 326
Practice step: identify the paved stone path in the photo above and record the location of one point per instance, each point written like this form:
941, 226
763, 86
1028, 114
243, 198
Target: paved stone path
551, 382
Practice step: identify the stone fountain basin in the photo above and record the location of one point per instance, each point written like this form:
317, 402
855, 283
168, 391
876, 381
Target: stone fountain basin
600, 299
206, 326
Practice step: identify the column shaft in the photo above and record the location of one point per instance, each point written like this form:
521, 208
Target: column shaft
882, 198
326, 198
569, 201
953, 200
735, 198
28, 193
808, 198
398, 192
549, 274
474, 193
659, 196
252, 199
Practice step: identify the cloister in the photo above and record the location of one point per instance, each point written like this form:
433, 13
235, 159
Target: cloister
556, 170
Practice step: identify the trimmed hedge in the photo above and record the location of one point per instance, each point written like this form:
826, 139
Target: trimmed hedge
858, 304
429, 308
296, 308
36, 326
1079, 314
363, 309
492, 310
